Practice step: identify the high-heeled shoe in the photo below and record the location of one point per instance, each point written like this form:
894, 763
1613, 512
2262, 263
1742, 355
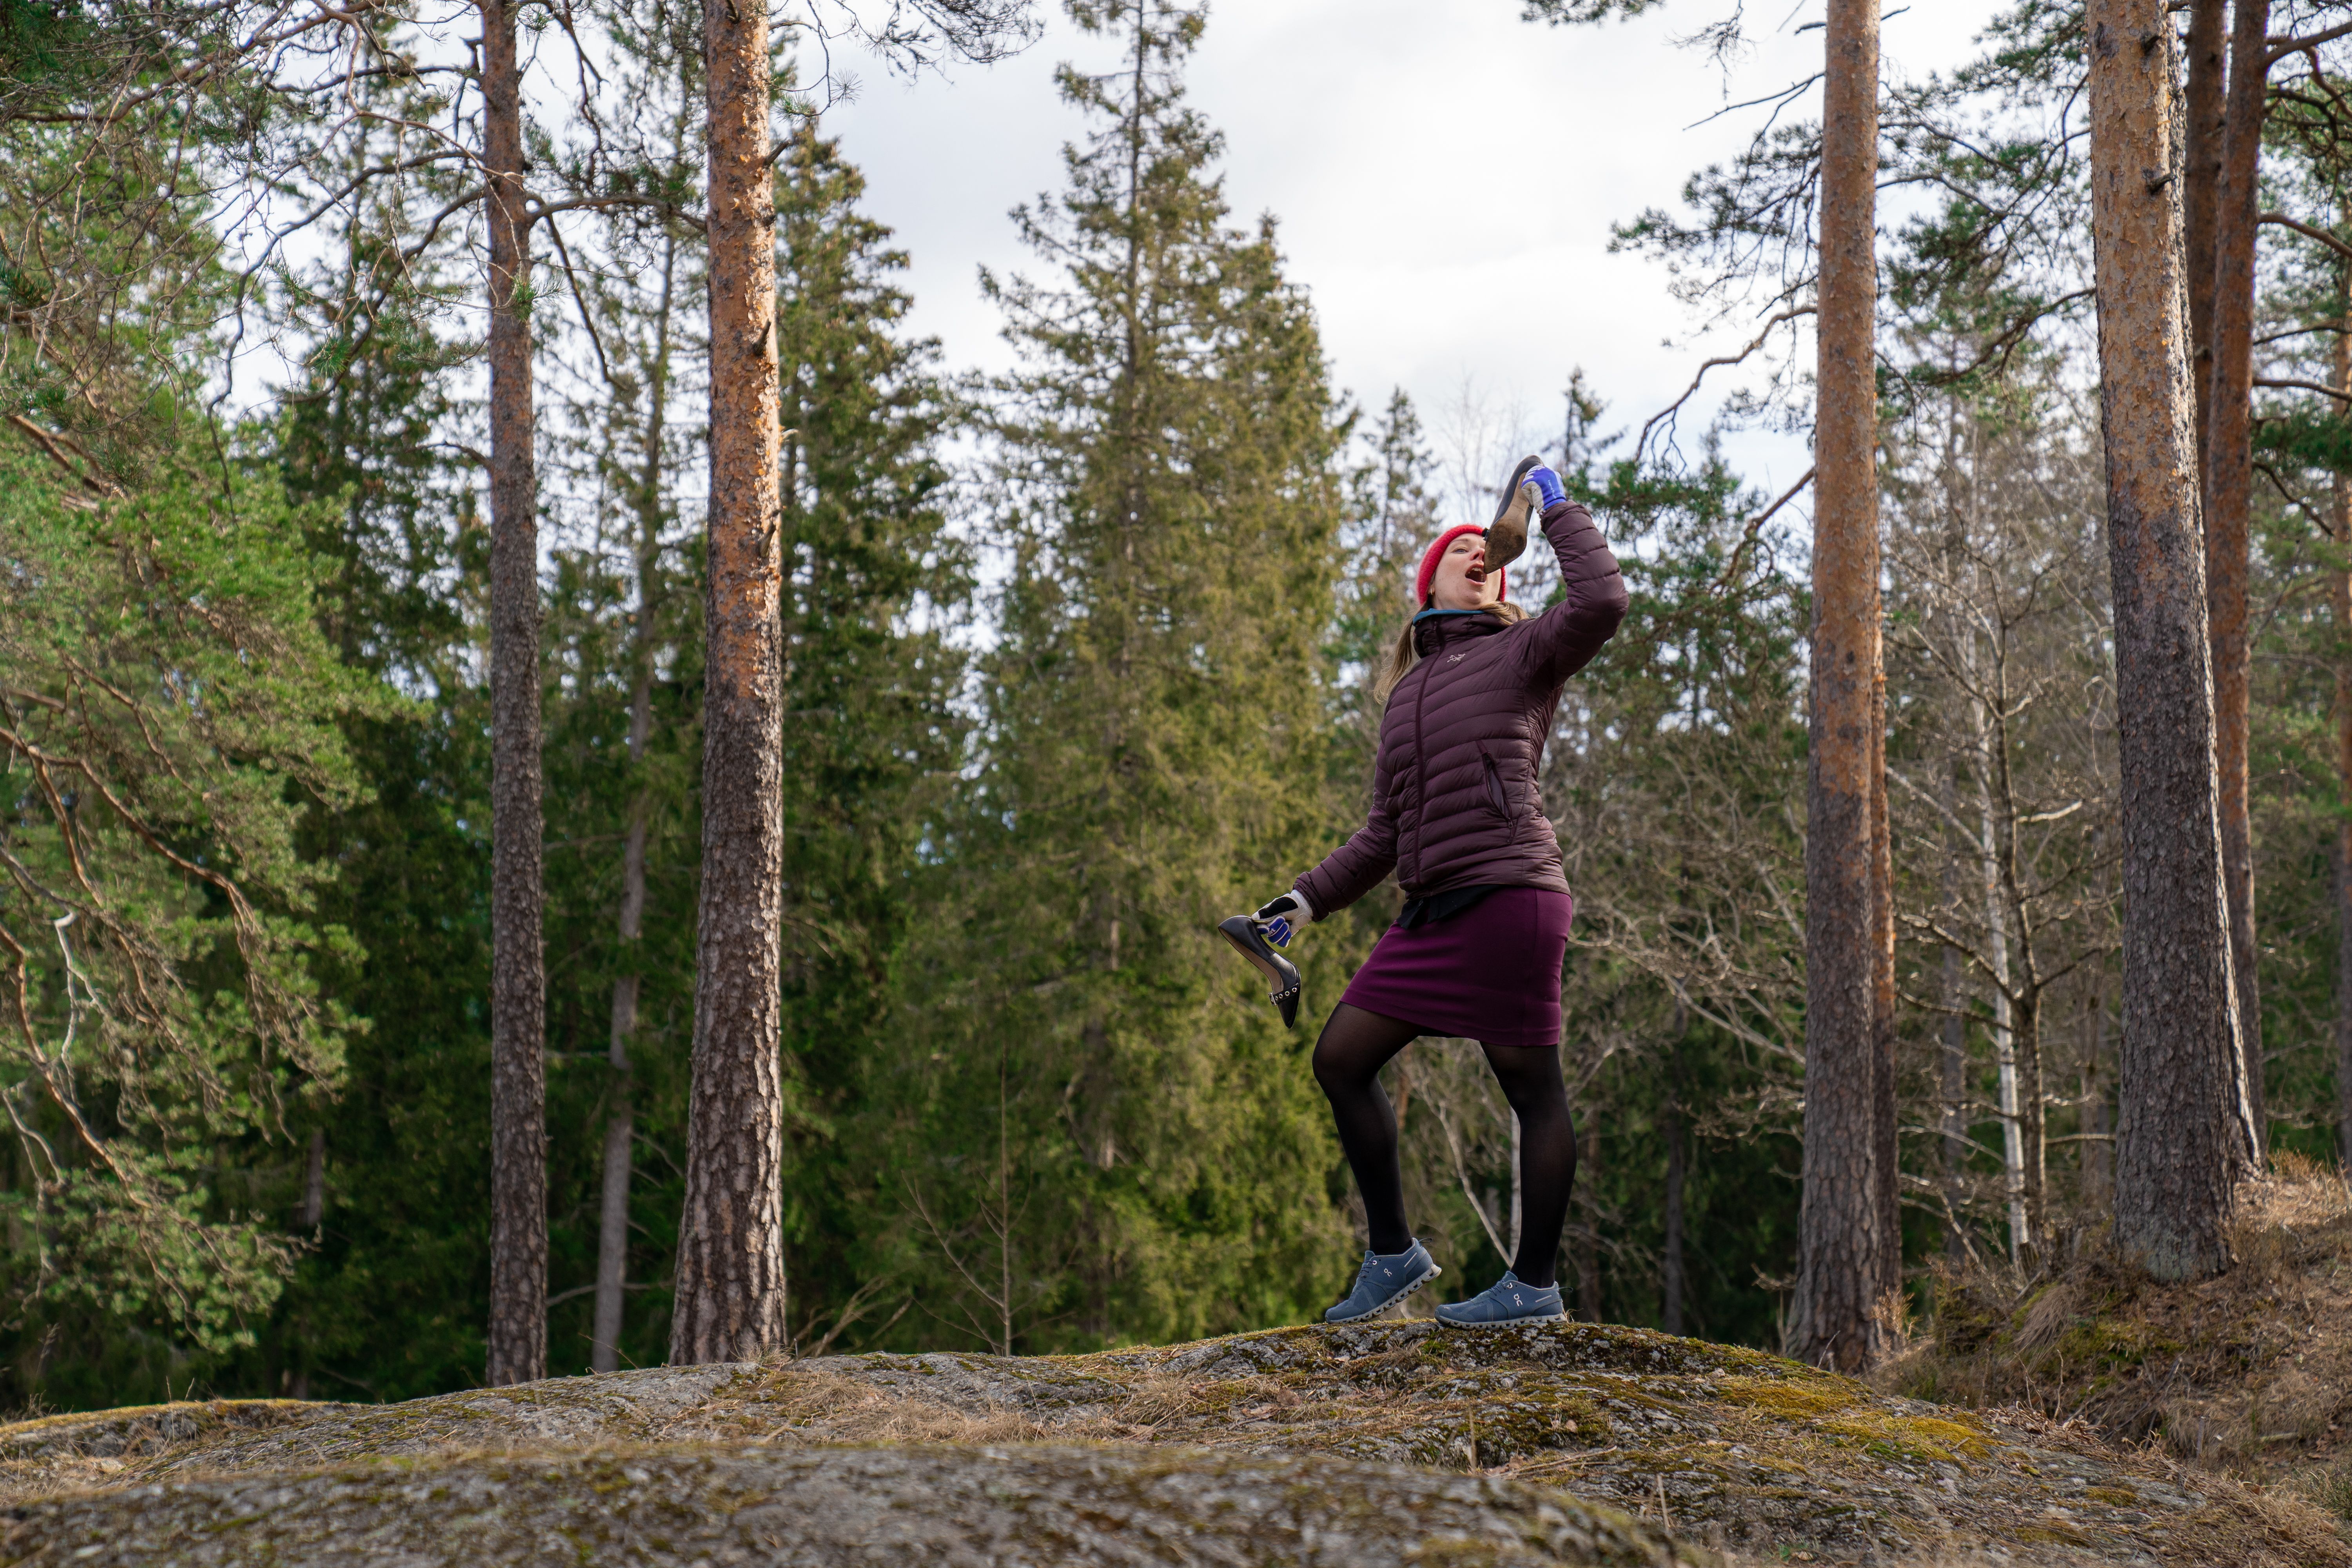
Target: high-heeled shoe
1281, 975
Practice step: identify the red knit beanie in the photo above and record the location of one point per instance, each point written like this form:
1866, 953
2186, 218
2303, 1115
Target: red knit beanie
1429, 563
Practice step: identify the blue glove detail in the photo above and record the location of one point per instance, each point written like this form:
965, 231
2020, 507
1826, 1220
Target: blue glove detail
1548, 486
1283, 919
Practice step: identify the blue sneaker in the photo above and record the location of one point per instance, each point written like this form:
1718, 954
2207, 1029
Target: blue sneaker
1385, 1279
1505, 1302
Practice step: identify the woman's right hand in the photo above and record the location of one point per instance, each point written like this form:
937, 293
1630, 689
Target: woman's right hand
1285, 918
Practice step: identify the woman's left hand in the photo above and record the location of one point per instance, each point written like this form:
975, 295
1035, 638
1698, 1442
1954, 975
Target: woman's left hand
1285, 918
1549, 492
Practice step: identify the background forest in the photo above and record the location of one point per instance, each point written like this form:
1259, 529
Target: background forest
1074, 662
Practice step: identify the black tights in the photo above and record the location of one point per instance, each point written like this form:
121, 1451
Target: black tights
1356, 1045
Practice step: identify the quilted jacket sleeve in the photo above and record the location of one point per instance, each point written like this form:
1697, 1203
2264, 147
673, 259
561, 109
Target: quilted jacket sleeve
1360, 864
1564, 639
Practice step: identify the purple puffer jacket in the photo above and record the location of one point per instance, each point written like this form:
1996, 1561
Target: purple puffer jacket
1454, 787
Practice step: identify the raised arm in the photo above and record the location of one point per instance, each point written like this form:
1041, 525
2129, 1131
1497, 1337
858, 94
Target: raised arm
1564, 639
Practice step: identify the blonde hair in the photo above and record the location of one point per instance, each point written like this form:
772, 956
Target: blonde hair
1406, 651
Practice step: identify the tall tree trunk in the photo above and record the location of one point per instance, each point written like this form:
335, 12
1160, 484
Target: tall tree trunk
1841, 1262
518, 1334
620, 1127
2174, 1156
2005, 890
2228, 503
2208, 32
1671, 1260
2004, 1021
2341, 576
1885, 1118
730, 1260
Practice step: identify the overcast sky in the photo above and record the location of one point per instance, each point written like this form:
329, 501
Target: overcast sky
1444, 176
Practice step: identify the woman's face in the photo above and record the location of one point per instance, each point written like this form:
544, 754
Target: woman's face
1463, 581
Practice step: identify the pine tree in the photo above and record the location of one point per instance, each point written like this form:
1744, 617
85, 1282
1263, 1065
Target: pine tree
1844, 1251
517, 1331
1110, 1139
875, 592
730, 1301
2184, 1122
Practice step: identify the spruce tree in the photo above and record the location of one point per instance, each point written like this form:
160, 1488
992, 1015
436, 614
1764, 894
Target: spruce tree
875, 593
1112, 1136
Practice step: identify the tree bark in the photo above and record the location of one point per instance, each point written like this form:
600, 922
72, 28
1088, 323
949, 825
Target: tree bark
2208, 33
1885, 1118
1841, 1262
730, 1263
2174, 1161
518, 1329
2229, 504
2340, 583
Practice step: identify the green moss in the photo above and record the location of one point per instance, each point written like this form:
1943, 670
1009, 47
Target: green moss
1789, 1400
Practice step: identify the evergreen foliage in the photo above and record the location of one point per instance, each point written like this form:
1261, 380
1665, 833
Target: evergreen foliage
1076, 662
170, 711
1111, 1138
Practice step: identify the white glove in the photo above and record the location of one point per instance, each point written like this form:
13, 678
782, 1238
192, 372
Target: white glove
1285, 918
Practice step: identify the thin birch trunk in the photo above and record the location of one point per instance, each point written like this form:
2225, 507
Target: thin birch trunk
2004, 1031
730, 1263
1951, 1082
1841, 1247
2021, 987
2228, 503
2182, 1114
518, 1327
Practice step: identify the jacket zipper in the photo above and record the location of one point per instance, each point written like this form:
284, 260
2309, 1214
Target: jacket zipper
1420, 770
1494, 785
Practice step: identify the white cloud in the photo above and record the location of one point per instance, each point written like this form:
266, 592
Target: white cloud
1445, 178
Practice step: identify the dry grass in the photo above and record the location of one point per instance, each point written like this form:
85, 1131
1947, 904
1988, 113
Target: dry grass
2248, 1374
830, 1408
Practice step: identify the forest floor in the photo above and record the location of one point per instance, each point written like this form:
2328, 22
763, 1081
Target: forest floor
1392, 1442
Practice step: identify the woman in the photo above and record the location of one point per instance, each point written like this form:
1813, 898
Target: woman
1477, 950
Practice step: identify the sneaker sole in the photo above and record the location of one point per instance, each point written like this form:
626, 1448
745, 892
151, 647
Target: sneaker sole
1560, 1315
1375, 1311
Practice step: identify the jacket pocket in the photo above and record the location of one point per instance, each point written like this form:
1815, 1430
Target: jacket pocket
1494, 795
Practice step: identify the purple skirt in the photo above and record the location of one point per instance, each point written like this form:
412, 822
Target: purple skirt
1491, 973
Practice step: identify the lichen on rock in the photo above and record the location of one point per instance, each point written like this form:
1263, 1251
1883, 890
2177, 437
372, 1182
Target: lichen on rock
1397, 1437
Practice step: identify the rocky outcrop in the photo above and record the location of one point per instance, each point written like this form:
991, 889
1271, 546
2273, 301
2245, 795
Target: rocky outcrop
1390, 1442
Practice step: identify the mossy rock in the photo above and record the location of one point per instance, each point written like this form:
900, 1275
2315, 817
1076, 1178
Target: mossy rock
1722, 1445
937, 1506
